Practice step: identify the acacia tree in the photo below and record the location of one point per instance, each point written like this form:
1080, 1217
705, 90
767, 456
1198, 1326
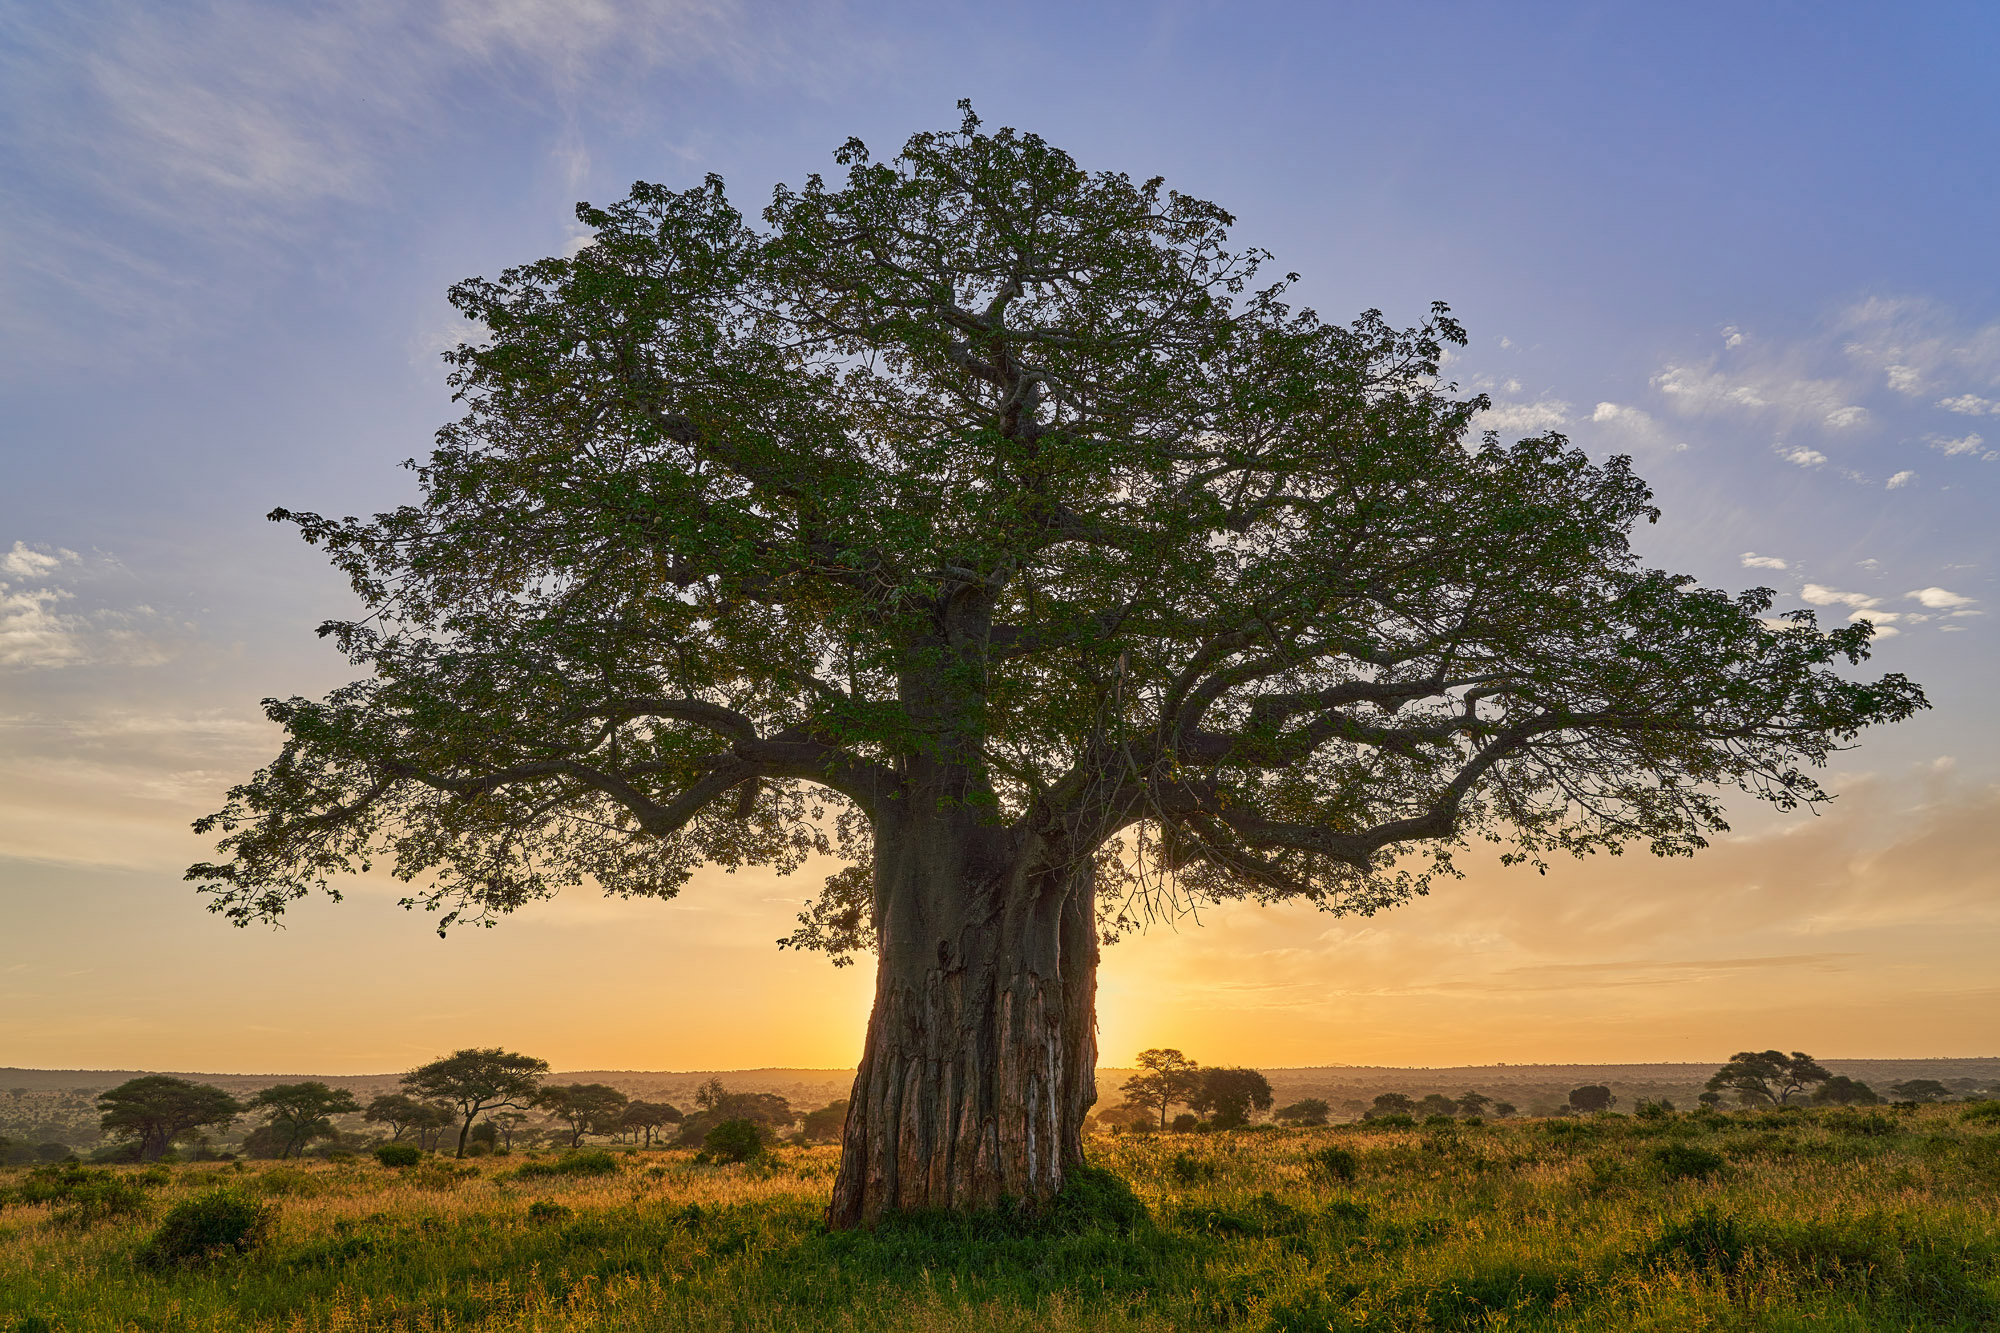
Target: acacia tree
994, 525
158, 1109
1769, 1078
587, 1108
1165, 1077
477, 1079
298, 1113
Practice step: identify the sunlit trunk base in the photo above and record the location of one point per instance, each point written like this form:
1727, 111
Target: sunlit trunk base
981, 1052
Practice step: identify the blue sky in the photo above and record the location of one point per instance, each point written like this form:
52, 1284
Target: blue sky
1751, 246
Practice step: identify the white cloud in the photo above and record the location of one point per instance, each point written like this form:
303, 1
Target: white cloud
1940, 599
1904, 379
1877, 617
1768, 391
1802, 456
1901, 479
1732, 336
1970, 405
28, 562
41, 627
1751, 560
1971, 443
1819, 595
1524, 418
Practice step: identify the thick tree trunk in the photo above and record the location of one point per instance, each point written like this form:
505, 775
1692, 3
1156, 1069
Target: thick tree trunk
981, 1052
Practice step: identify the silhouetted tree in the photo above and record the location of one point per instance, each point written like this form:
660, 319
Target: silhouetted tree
155, 1110
646, 1117
1436, 1103
1592, 1097
1504, 1109
399, 1111
298, 1113
1767, 1078
825, 1124
475, 1080
1165, 1078
716, 1104
1391, 1103
994, 509
1227, 1096
587, 1108
1308, 1111
1919, 1090
1474, 1103
1840, 1090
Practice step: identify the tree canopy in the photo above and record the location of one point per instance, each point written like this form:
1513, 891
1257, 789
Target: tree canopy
298, 1113
1004, 529
1236, 576
156, 1110
477, 1079
1769, 1078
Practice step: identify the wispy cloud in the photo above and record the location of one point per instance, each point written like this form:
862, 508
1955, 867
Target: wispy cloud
44, 625
138, 134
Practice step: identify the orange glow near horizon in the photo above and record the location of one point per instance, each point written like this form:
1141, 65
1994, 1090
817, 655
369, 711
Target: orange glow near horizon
1868, 932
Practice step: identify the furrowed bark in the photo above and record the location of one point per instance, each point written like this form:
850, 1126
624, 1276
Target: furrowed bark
978, 1068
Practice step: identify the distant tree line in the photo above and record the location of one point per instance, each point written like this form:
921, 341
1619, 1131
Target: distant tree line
475, 1101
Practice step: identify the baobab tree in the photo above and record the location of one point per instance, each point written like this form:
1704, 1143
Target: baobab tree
994, 525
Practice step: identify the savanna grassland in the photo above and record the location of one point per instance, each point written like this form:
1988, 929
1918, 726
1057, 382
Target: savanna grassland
1822, 1220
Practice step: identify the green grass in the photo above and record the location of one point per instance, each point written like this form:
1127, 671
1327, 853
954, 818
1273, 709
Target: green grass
1820, 1221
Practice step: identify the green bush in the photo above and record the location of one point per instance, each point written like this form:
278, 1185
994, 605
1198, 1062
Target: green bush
594, 1162
219, 1222
1394, 1120
1187, 1169
1685, 1161
81, 1196
1333, 1163
542, 1211
1981, 1111
735, 1141
398, 1154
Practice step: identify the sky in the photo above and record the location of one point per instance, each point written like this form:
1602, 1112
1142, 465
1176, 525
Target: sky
1750, 246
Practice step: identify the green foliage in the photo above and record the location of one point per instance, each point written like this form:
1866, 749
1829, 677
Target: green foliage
735, 1141
1686, 1161
298, 1113
81, 1196
590, 1162
156, 1111
398, 1154
1187, 1169
542, 1211
207, 1226
1981, 1112
1334, 1162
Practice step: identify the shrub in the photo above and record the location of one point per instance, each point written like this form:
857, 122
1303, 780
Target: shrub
1685, 1161
1981, 1111
735, 1141
594, 1162
220, 1222
81, 1196
1187, 1169
1333, 1163
1649, 1110
1185, 1123
398, 1154
1705, 1240
1394, 1120
541, 1211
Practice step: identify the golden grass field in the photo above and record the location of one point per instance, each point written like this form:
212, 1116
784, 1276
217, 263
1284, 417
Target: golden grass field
1820, 1220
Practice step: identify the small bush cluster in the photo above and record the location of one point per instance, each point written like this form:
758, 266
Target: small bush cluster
209, 1226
